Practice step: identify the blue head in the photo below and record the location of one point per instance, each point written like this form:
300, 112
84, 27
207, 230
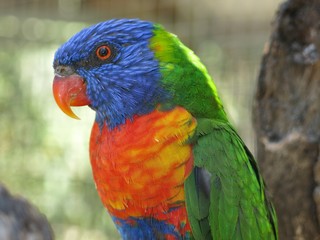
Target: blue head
119, 69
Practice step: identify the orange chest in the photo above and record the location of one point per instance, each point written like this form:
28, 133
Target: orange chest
141, 166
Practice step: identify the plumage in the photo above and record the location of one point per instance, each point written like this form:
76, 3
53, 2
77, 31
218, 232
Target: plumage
165, 159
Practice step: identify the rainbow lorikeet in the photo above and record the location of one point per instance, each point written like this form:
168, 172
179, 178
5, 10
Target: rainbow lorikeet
166, 161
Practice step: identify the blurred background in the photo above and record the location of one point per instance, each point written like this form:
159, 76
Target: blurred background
44, 153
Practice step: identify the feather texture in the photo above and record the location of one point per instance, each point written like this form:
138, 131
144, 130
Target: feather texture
141, 176
239, 208
166, 161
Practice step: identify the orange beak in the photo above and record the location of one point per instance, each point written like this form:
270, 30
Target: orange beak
70, 91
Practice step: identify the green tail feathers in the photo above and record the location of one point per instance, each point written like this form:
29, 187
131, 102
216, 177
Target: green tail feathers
236, 206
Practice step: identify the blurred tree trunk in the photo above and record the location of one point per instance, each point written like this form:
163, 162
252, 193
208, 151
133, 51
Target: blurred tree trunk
287, 118
19, 220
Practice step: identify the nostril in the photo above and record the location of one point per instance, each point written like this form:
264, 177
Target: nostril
63, 70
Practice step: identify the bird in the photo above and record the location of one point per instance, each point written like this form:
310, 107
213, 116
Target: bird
166, 161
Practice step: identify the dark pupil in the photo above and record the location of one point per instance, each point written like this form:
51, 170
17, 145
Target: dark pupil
103, 51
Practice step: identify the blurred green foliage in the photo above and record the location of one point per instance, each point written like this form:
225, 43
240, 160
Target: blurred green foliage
44, 154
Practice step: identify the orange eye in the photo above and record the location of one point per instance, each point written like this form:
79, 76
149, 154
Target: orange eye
103, 52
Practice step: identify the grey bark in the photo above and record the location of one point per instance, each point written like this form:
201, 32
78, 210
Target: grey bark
19, 220
286, 116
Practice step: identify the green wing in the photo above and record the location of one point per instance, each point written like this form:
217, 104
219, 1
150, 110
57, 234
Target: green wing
225, 194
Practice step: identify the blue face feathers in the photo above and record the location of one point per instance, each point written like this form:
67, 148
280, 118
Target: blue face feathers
127, 82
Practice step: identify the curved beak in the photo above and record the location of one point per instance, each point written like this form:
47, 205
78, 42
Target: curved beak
70, 90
